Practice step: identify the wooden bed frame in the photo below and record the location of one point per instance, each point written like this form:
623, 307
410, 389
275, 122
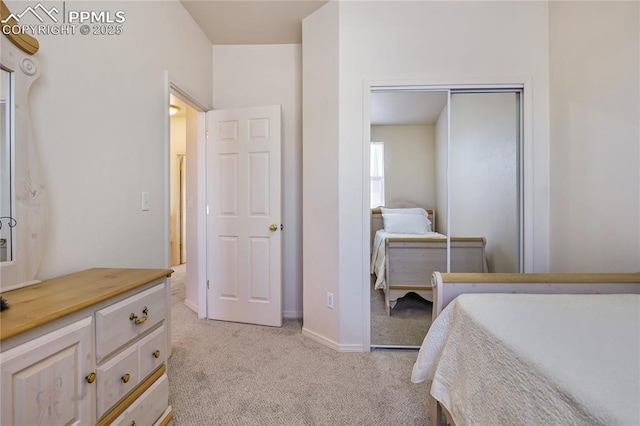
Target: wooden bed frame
447, 287
410, 262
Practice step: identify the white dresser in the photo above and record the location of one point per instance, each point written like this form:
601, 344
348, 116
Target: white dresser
87, 348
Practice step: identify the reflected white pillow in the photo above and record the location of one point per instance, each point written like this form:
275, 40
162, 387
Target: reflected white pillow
406, 223
412, 210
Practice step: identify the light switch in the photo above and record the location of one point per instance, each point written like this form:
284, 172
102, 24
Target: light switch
145, 201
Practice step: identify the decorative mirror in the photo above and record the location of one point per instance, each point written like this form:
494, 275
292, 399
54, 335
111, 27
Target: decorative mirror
23, 199
7, 222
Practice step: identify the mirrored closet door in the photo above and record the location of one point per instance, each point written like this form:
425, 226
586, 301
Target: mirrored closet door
484, 181
445, 196
408, 187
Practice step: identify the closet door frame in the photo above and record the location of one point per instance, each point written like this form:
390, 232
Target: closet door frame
525, 166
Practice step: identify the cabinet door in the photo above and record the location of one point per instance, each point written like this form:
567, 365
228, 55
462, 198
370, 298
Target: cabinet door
43, 380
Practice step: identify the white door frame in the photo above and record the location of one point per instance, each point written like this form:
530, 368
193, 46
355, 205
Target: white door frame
526, 173
170, 86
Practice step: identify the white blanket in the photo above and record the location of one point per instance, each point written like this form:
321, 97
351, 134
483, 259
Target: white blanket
379, 255
506, 359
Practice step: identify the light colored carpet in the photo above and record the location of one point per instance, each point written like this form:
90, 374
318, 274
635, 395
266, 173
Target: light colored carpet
408, 323
224, 373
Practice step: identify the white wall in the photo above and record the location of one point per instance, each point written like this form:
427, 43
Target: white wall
409, 163
100, 113
595, 137
428, 42
245, 76
320, 174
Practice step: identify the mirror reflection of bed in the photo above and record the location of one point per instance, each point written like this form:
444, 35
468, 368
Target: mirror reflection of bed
466, 215
398, 273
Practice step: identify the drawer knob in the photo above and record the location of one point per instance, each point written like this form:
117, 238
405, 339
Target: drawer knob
156, 354
91, 378
133, 317
133, 423
126, 378
145, 310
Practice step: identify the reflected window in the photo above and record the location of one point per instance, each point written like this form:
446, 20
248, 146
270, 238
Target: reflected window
6, 221
377, 174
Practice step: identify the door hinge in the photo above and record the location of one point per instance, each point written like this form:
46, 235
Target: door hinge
206, 135
207, 209
207, 284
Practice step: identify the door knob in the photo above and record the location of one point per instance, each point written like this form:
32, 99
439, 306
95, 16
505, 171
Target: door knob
273, 227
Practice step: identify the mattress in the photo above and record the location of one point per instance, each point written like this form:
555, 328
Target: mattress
378, 253
505, 359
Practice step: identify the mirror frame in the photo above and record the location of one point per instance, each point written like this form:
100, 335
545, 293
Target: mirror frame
29, 192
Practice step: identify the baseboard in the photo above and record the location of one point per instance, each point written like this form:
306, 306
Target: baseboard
320, 339
292, 314
351, 348
191, 305
330, 343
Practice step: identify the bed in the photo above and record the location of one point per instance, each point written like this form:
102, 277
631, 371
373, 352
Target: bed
403, 262
509, 349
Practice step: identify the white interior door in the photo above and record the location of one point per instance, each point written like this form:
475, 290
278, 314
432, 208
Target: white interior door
243, 222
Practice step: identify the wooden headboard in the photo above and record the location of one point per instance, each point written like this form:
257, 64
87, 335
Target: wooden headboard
376, 220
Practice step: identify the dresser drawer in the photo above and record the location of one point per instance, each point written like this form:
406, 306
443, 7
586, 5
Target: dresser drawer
124, 321
152, 351
148, 407
116, 378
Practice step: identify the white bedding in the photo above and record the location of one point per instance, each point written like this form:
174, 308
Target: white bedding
535, 359
378, 253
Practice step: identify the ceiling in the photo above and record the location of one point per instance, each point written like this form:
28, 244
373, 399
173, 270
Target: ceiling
182, 105
280, 22
251, 22
406, 108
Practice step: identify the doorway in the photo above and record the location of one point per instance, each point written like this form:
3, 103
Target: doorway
197, 179
184, 210
460, 165
177, 180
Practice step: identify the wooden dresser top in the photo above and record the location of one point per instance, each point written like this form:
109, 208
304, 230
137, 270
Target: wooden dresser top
32, 306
